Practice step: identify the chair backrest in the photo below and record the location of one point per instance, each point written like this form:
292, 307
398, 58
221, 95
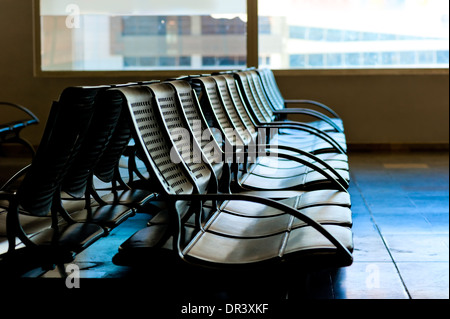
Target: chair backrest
154, 143
175, 123
272, 82
273, 94
120, 139
108, 107
259, 91
198, 124
236, 108
240, 105
65, 131
259, 95
212, 103
238, 102
246, 132
247, 96
108, 162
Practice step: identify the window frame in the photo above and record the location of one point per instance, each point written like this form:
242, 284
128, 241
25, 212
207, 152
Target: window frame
252, 59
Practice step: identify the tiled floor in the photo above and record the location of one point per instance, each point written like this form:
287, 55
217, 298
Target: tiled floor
401, 209
401, 234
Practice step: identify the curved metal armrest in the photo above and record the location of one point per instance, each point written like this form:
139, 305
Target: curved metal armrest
310, 129
341, 184
271, 203
312, 113
23, 109
315, 103
16, 176
341, 180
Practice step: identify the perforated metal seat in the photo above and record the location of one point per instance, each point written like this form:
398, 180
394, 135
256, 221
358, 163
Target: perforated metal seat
227, 86
206, 240
200, 166
261, 111
273, 175
279, 104
274, 112
234, 109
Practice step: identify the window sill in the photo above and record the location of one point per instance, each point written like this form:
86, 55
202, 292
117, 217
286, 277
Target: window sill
360, 72
138, 74
163, 74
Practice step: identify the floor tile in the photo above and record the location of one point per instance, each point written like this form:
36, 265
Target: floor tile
418, 247
370, 249
400, 223
439, 221
369, 281
428, 280
369, 246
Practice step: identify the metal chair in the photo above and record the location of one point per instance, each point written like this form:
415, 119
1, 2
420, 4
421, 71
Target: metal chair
39, 194
280, 105
260, 109
274, 179
315, 141
212, 237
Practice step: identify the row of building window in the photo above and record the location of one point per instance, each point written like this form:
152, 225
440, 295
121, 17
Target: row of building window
302, 60
369, 59
183, 61
162, 61
336, 35
181, 25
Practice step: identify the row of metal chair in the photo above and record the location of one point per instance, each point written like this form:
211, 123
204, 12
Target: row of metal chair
72, 194
237, 185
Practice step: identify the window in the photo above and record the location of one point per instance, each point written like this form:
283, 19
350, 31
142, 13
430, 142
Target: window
142, 63
153, 25
116, 35
331, 34
211, 25
224, 61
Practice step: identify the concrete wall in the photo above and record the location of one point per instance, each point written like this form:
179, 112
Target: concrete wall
381, 109
377, 109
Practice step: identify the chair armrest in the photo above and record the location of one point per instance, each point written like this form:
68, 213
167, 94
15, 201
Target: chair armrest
312, 113
23, 109
315, 103
16, 176
341, 180
340, 183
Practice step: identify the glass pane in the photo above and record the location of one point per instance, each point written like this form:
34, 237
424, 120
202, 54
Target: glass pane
110, 35
311, 34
